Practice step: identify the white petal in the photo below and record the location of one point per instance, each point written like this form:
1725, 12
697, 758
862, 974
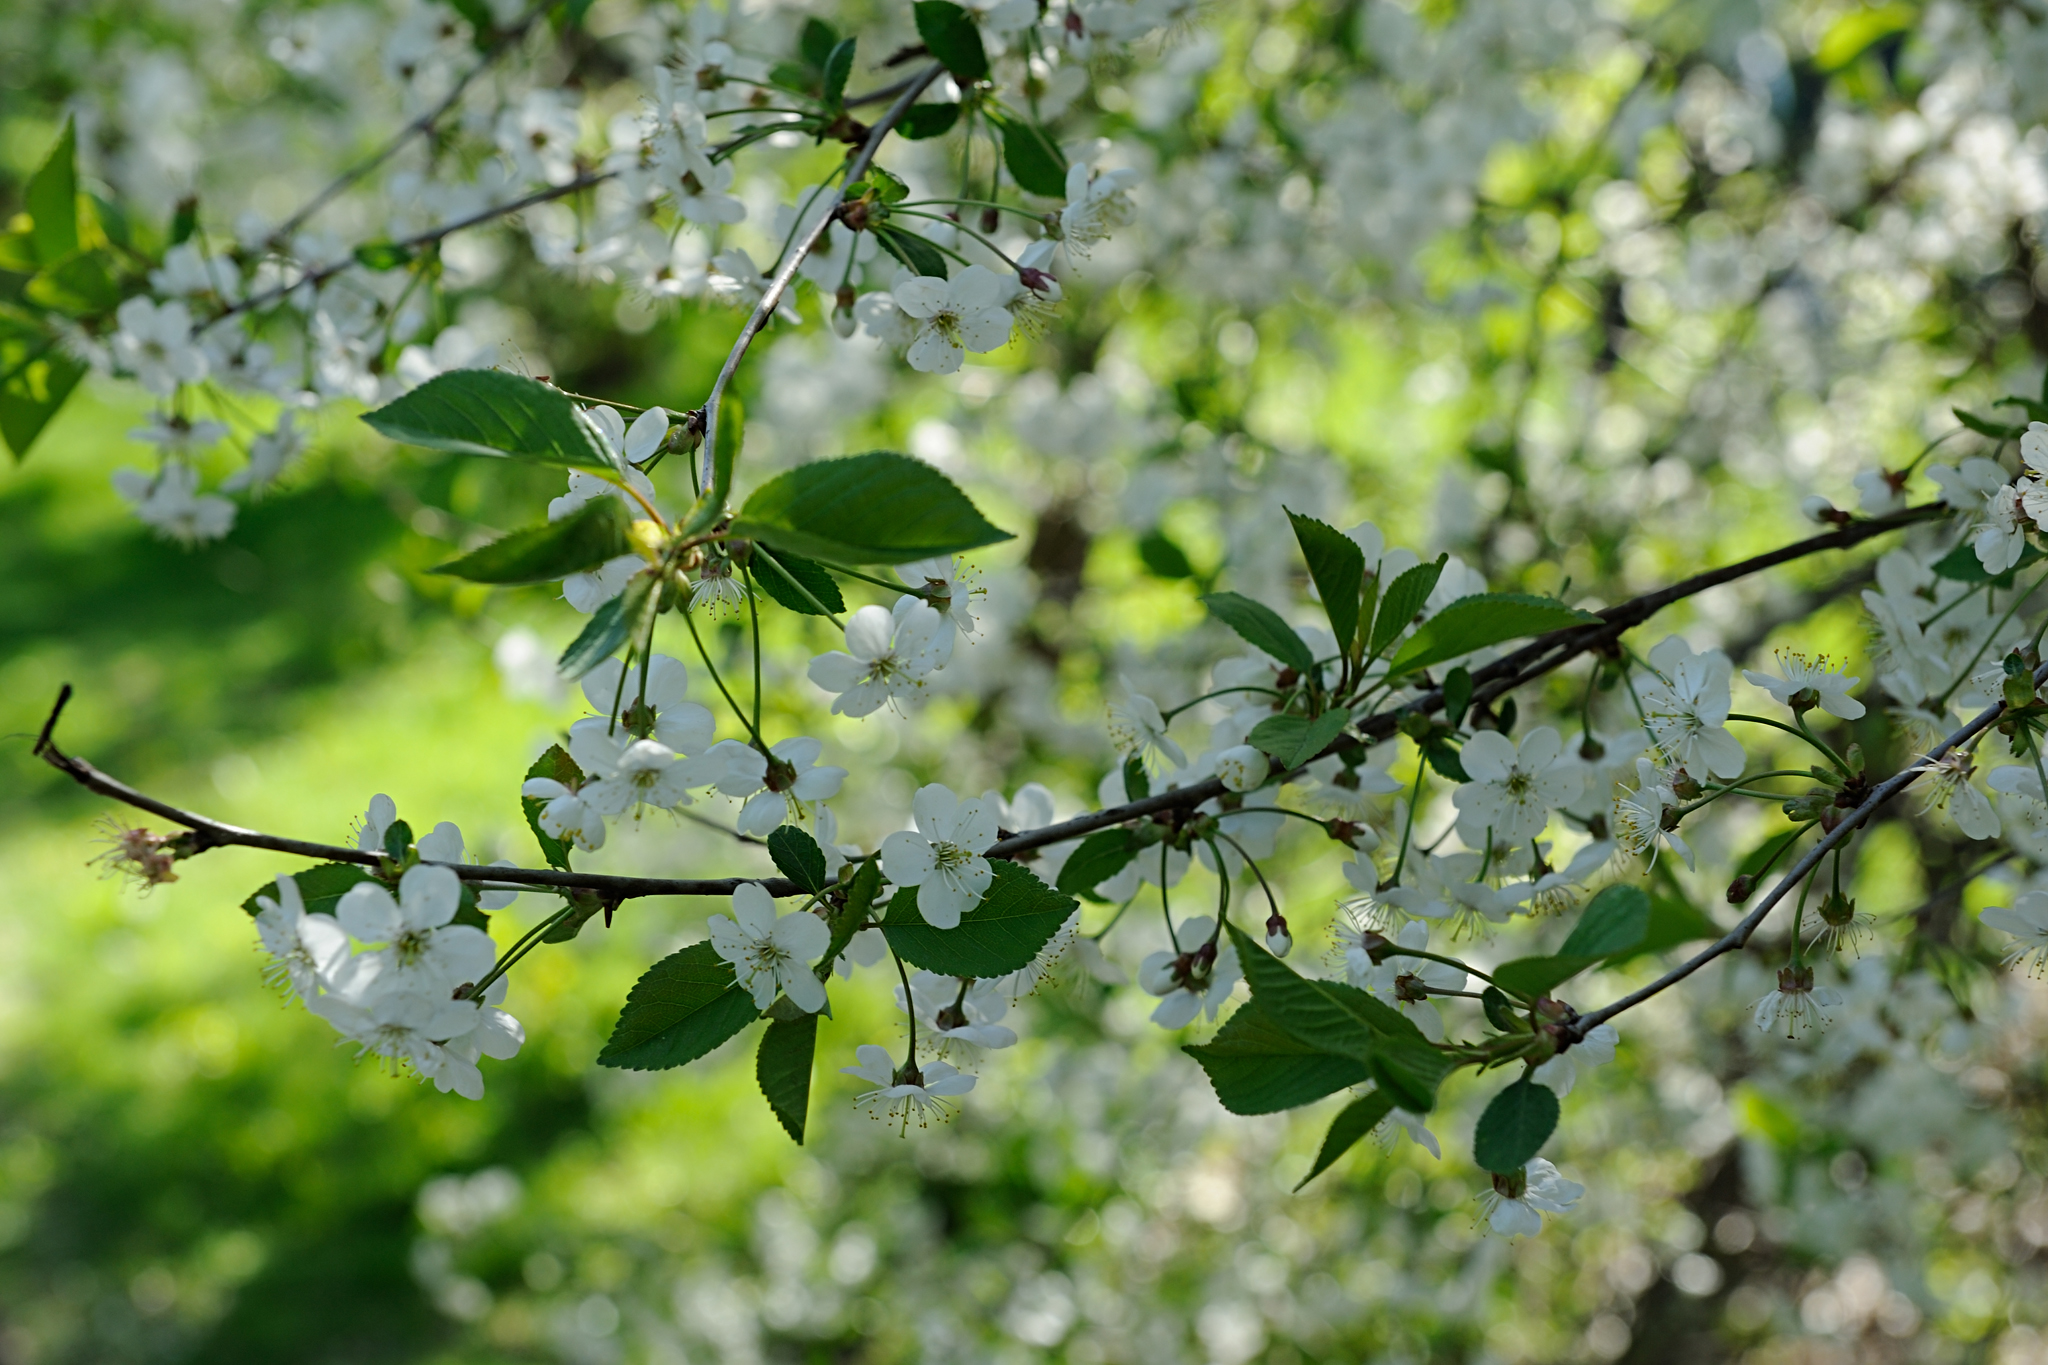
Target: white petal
369, 914
906, 858
1488, 756
754, 908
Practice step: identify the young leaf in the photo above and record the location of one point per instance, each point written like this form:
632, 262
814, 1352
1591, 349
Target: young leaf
877, 508
1101, 856
583, 907
1033, 158
816, 42
1261, 626
800, 584
625, 617
782, 1067
1353, 1122
1539, 976
1500, 1011
35, 389
837, 67
1137, 782
383, 255
558, 766
1457, 693
1404, 597
397, 840
1613, 922
913, 251
1480, 620
1442, 757
1514, 1127
684, 1006
950, 35
321, 887
592, 535
490, 412
1338, 567
1336, 1017
1294, 740
799, 857
928, 120
51, 199
1258, 1067
1984, 426
1017, 917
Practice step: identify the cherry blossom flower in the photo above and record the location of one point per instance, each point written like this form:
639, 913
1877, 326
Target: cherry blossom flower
178, 436
1138, 730
1561, 1072
2026, 919
793, 782
1797, 1006
566, 815
1514, 787
402, 1027
1098, 202
772, 956
1405, 982
1637, 818
305, 950
586, 592
950, 586
422, 950
953, 317
1517, 1201
956, 1017
270, 453
889, 654
1196, 978
154, 343
443, 844
1809, 682
624, 772
369, 831
910, 1092
1686, 704
1949, 789
661, 712
1980, 487
539, 136
171, 502
942, 856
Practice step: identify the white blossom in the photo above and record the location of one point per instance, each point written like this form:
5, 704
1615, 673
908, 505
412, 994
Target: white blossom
2026, 919
1516, 1203
1949, 789
942, 856
889, 654
1687, 703
1797, 1006
1404, 982
1561, 1072
913, 1092
422, 951
772, 956
171, 502
305, 950
956, 1016
1816, 675
566, 815
953, 316
1637, 817
1189, 980
795, 782
1098, 202
1242, 768
155, 344
1138, 730
1514, 787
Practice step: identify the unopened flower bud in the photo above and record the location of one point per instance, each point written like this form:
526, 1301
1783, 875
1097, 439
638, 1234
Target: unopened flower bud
1817, 508
1810, 805
842, 323
646, 537
1741, 889
1278, 941
1241, 768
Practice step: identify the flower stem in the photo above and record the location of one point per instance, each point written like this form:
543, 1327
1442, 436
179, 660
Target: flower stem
705, 654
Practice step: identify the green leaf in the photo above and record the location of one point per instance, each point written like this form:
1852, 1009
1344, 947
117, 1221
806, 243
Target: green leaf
1409, 1070
1480, 620
555, 764
35, 389
321, 887
1613, 922
1003, 934
1336, 1017
1673, 920
1337, 566
1405, 596
1984, 426
625, 617
1262, 627
877, 508
490, 412
1442, 757
1033, 158
383, 255
799, 857
397, 840
184, 220
837, 67
913, 251
684, 1006
1353, 1122
1850, 36
1500, 1011
800, 584
1163, 558
1294, 740
949, 33
929, 120
1457, 693
847, 921
783, 1065
1137, 782
1516, 1124
817, 42
81, 283
725, 453
1258, 1067
583, 907
1536, 977
593, 534
51, 199
1101, 856
1962, 565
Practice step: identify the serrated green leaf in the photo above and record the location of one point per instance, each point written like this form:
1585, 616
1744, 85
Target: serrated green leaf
1404, 597
490, 412
782, 1068
1034, 160
1516, 1124
848, 919
1535, 977
1480, 620
1612, 922
592, 535
1016, 918
797, 583
51, 199
626, 617
1101, 856
817, 41
556, 765
838, 65
877, 508
1258, 1067
321, 887
1294, 740
950, 35
1337, 566
1338, 1018
681, 1008
1409, 1070
928, 120
1353, 1122
916, 254
1260, 626
799, 857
